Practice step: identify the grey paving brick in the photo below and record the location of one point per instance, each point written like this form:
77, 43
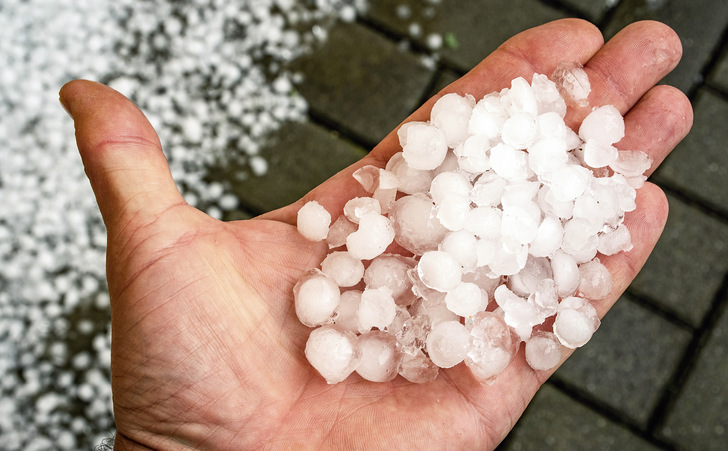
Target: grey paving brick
686, 268
699, 23
300, 157
699, 165
719, 76
699, 419
444, 78
472, 28
362, 82
554, 421
628, 362
594, 10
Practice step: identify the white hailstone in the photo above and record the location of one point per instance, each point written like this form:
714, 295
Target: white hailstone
481, 278
332, 352
374, 235
545, 298
449, 164
509, 162
339, 230
486, 251
566, 273
439, 271
526, 281
598, 154
551, 125
447, 343
519, 225
462, 246
595, 280
543, 351
357, 207
484, 222
379, 358
451, 114
488, 117
313, 221
343, 269
519, 314
372, 178
488, 190
436, 312
547, 155
390, 271
569, 182
447, 184
412, 335
547, 95
416, 226
631, 163
615, 241
520, 99
548, 237
520, 194
572, 82
346, 315
473, 154
376, 308
520, 131
576, 322
411, 180
491, 347
604, 124
417, 369
316, 297
466, 299
453, 211
506, 262
577, 234
423, 145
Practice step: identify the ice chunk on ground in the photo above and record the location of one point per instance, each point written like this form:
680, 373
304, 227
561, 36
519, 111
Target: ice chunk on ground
410, 180
376, 308
572, 82
347, 313
344, 269
451, 114
313, 221
371, 239
423, 145
466, 299
379, 358
447, 343
390, 271
604, 124
575, 322
316, 296
543, 351
357, 207
490, 348
595, 280
439, 271
418, 369
332, 352
415, 223
566, 273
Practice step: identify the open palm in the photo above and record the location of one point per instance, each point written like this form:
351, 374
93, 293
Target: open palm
206, 350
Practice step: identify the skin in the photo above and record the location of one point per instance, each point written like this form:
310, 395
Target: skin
206, 350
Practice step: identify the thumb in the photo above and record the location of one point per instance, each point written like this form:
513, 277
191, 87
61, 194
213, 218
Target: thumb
121, 154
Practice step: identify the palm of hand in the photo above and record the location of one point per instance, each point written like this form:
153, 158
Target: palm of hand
206, 350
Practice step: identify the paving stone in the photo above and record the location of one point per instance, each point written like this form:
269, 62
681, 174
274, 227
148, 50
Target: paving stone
699, 165
594, 10
553, 421
719, 75
628, 362
687, 266
699, 23
362, 83
699, 418
471, 30
300, 157
443, 79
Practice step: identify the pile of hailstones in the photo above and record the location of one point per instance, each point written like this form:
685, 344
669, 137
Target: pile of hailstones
500, 209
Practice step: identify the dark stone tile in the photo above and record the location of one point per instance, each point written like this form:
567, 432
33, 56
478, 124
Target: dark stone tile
699, 165
470, 29
554, 421
444, 78
686, 268
628, 362
361, 82
594, 10
300, 157
719, 75
699, 23
699, 418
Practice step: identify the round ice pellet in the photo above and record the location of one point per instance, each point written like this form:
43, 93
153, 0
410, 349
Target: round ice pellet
439, 271
447, 344
344, 269
313, 221
379, 358
316, 296
543, 351
332, 352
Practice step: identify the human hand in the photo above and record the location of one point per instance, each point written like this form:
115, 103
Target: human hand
207, 352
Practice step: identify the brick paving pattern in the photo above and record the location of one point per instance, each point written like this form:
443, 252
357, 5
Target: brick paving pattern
656, 374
